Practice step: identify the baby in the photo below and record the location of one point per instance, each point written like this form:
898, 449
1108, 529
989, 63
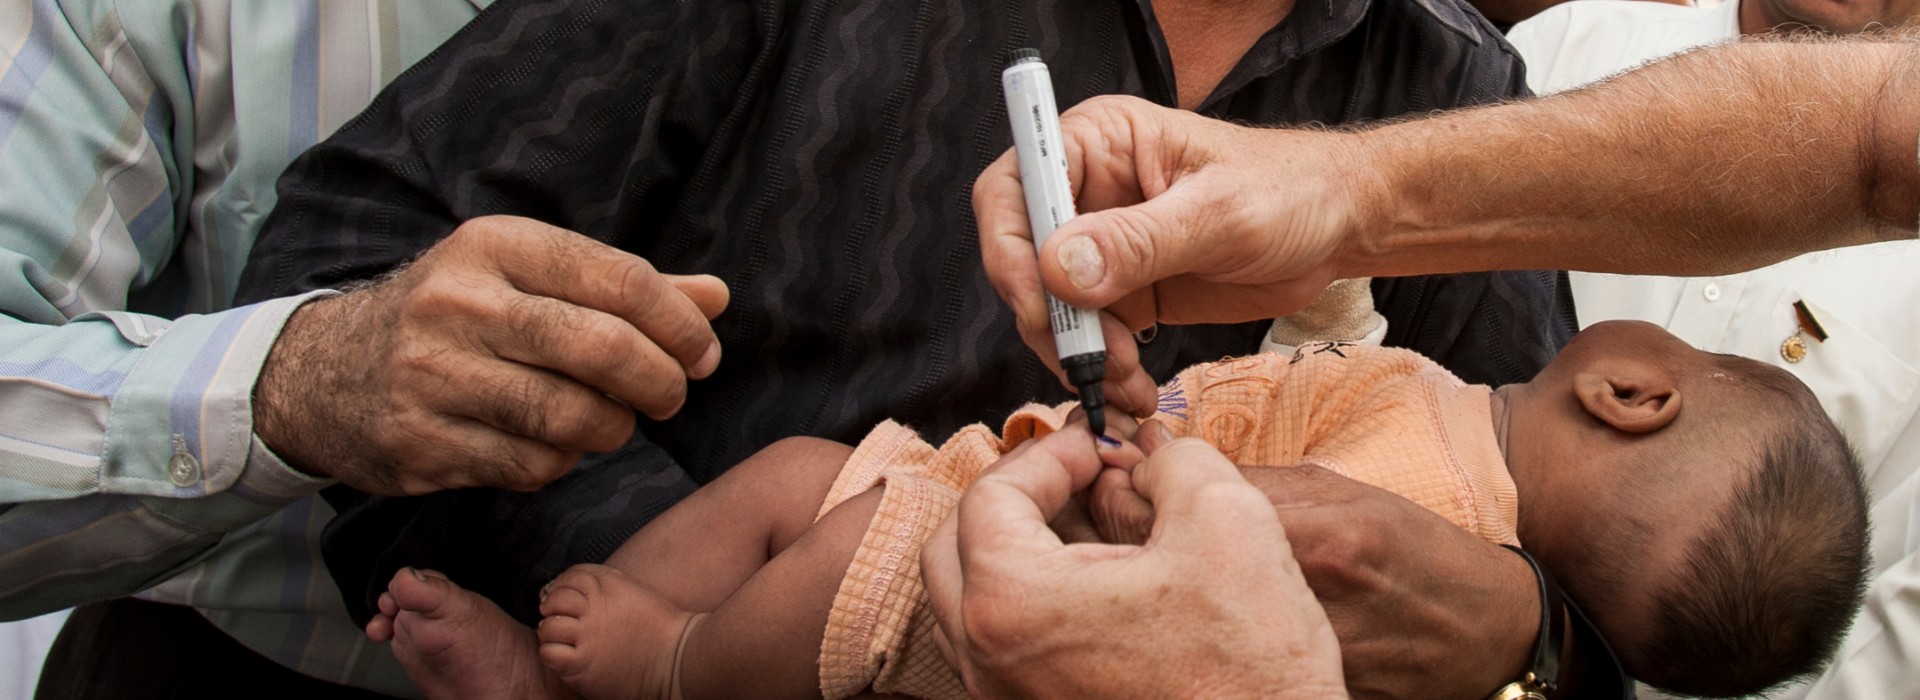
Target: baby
1700, 507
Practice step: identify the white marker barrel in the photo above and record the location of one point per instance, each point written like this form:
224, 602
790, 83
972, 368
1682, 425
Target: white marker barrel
1043, 174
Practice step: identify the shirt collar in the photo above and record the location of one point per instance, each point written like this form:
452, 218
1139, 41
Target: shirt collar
1312, 25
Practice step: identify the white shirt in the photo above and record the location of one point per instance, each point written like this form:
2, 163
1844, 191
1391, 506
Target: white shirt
1575, 43
1864, 373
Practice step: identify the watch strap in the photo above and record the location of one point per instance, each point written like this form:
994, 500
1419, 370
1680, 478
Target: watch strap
1542, 675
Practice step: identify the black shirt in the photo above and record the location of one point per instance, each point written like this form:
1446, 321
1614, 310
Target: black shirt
818, 155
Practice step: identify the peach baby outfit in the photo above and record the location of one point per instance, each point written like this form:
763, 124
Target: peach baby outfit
1382, 416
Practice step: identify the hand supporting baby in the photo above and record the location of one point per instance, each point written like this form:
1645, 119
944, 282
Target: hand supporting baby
1405, 589
1025, 613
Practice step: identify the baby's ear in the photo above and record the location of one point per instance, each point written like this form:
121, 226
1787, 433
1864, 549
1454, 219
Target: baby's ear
1633, 396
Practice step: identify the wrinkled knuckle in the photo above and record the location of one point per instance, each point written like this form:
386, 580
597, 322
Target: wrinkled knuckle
564, 422
584, 421
535, 317
601, 350
1104, 102
685, 334
555, 466
404, 436
433, 295
1337, 555
525, 471
637, 285
674, 394
1104, 107
469, 233
513, 404
414, 360
669, 392
687, 338
614, 430
1130, 239
480, 235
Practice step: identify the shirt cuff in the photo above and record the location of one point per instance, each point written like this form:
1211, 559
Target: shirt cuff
181, 425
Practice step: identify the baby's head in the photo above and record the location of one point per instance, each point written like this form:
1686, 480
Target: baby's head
1701, 508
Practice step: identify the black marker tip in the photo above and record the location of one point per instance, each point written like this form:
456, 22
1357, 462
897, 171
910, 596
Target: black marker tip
1094, 404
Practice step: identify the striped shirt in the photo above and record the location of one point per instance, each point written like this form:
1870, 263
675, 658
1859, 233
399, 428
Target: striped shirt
139, 145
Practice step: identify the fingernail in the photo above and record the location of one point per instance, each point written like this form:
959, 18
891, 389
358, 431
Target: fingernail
708, 362
1082, 260
416, 573
1162, 433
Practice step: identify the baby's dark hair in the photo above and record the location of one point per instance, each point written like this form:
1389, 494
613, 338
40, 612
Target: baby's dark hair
1765, 595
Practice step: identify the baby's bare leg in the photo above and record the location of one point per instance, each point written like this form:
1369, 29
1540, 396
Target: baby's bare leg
609, 635
697, 553
764, 641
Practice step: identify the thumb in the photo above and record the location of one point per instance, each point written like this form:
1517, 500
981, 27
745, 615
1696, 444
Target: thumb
1200, 499
1099, 257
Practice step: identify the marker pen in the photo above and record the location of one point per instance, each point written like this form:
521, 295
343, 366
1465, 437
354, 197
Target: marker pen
1043, 175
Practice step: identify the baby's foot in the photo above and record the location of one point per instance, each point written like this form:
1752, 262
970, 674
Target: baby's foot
456, 644
609, 637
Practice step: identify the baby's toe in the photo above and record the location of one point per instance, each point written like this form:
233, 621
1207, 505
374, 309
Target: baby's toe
559, 629
564, 659
582, 577
565, 600
380, 629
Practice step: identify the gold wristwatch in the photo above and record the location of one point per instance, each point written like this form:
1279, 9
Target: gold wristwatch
1543, 672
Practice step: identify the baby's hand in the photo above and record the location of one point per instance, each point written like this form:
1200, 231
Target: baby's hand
1120, 513
1117, 448
1117, 451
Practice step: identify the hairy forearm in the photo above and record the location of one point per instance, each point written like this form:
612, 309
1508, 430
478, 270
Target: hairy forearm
1716, 161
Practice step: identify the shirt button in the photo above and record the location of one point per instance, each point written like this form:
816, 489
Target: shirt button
1711, 292
183, 470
